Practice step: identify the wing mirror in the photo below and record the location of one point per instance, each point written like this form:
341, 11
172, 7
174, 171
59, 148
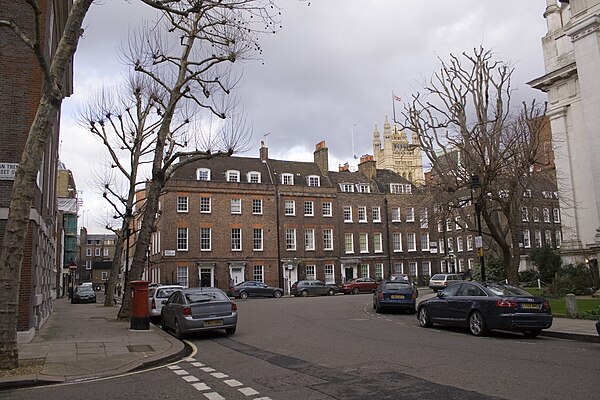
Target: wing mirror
440, 294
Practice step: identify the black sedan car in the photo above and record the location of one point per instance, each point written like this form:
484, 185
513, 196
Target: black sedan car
313, 287
247, 289
84, 294
482, 306
398, 293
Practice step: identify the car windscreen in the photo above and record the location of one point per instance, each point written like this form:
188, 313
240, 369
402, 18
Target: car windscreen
438, 277
164, 293
87, 289
507, 290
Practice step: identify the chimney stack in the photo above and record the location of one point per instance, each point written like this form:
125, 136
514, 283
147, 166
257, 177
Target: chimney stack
368, 166
264, 151
321, 157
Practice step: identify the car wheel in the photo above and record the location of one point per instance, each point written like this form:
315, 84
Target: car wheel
230, 331
178, 333
331, 292
477, 324
378, 309
304, 293
423, 317
243, 295
355, 290
531, 333
277, 294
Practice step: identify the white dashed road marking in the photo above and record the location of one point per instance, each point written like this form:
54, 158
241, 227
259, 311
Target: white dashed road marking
190, 378
219, 375
181, 372
213, 396
201, 386
207, 369
233, 383
248, 391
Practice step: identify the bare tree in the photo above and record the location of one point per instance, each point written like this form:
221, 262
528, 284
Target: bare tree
191, 60
466, 127
126, 122
53, 73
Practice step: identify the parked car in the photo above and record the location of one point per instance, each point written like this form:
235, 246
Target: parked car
84, 294
442, 281
156, 295
198, 309
395, 294
482, 306
598, 327
312, 287
359, 285
247, 289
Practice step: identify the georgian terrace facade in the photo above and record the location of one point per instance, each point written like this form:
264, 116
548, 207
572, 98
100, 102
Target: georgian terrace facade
229, 219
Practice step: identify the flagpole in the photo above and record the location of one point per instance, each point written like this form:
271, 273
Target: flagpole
394, 106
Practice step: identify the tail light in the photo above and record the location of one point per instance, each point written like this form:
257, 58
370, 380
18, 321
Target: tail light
153, 304
546, 305
380, 297
187, 311
506, 303
233, 307
414, 294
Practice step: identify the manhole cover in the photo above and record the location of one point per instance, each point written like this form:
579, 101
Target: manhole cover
139, 348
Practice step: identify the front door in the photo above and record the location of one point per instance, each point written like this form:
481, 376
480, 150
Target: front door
237, 275
290, 275
206, 277
348, 273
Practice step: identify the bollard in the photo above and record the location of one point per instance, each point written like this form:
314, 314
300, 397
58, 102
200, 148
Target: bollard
140, 314
571, 305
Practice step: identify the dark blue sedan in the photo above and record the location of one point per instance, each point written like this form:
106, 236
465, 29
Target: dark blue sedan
398, 293
482, 306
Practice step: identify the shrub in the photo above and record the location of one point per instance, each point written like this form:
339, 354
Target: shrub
548, 262
578, 280
530, 275
494, 270
593, 314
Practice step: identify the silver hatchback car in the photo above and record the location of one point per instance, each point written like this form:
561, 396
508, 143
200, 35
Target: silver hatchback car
199, 309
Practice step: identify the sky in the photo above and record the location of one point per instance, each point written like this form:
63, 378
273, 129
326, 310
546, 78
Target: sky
328, 74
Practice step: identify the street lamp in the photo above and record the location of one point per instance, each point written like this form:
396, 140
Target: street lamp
476, 184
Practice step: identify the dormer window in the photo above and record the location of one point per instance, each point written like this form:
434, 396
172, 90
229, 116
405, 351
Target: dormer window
313, 180
253, 177
396, 188
233, 176
363, 188
203, 174
287, 179
347, 187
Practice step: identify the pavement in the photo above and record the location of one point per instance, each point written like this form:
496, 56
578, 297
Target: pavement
86, 341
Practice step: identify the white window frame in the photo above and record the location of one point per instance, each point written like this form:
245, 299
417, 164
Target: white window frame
376, 214
89, 252
329, 273
257, 239
327, 209
526, 239
257, 206
362, 214
258, 273
348, 214
289, 211
410, 214
424, 218
363, 188
204, 240
469, 242
203, 174
349, 243
232, 175
378, 242
309, 239
183, 276
182, 239
347, 187
546, 214
556, 215
313, 180
236, 239
363, 242
182, 204
97, 252
397, 242
459, 243
396, 188
309, 208
537, 238
378, 271
328, 239
396, 214
254, 177
203, 204
311, 271
425, 241
410, 235
287, 179
290, 239
236, 206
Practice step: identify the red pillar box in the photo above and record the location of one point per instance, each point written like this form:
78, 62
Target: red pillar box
140, 316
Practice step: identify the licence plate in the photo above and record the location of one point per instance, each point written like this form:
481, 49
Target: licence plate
397, 296
213, 322
529, 306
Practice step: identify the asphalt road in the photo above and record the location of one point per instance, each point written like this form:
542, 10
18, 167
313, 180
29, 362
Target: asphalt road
338, 348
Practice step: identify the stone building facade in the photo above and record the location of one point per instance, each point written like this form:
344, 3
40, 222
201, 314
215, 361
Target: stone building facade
397, 154
572, 81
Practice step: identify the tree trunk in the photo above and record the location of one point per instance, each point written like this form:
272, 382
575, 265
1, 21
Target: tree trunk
45, 119
109, 300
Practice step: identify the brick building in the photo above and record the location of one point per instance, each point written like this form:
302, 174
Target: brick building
20, 91
225, 220
96, 252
